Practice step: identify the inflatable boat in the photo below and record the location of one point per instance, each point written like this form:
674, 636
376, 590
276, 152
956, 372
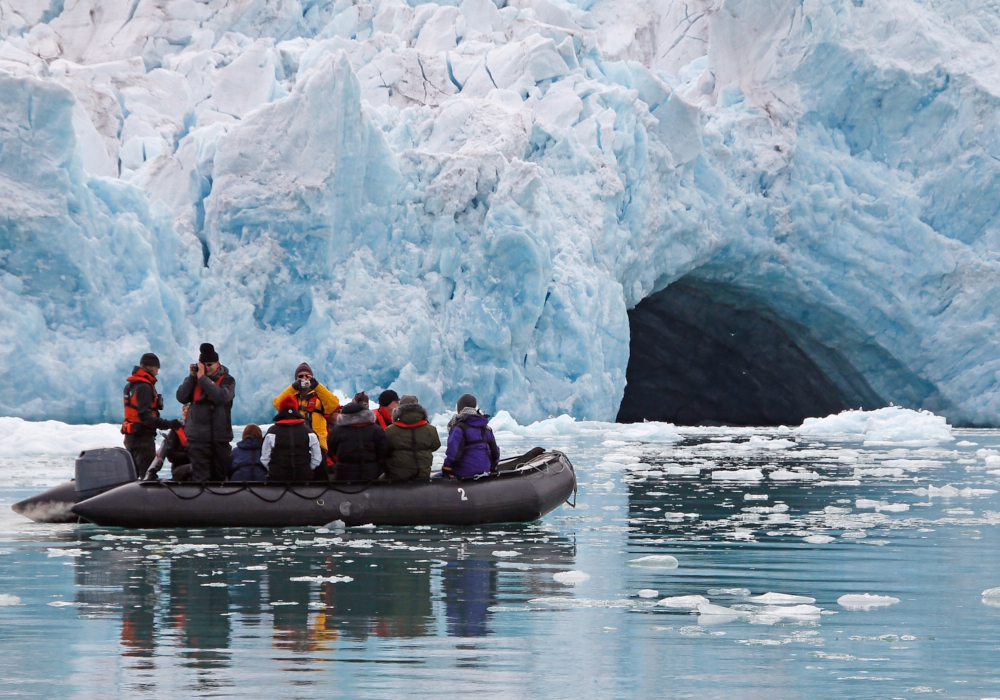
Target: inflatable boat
523, 489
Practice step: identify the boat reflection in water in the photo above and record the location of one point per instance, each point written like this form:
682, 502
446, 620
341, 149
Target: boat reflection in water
192, 594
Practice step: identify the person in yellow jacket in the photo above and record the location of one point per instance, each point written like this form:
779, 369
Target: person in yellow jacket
316, 402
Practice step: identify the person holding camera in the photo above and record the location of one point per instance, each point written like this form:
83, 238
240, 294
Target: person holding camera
142, 413
316, 403
210, 390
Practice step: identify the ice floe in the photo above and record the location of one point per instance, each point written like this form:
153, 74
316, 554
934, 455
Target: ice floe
885, 426
571, 577
655, 561
865, 601
9, 599
322, 579
737, 475
648, 593
770, 598
682, 602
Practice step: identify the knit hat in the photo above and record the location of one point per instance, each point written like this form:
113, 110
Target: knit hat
408, 398
362, 398
466, 401
290, 402
208, 353
304, 367
387, 397
149, 360
354, 407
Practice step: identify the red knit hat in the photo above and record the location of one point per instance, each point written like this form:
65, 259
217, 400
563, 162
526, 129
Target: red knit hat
289, 403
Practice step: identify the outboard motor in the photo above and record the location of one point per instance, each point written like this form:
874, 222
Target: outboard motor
101, 470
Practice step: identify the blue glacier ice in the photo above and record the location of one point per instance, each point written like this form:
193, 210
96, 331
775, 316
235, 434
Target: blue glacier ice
469, 196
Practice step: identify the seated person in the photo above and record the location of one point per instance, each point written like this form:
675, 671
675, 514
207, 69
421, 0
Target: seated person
176, 454
316, 403
359, 445
472, 449
244, 462
291, 450
412, 441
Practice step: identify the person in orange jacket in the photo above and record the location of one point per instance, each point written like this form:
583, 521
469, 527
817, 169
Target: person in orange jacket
316, 402
142, 413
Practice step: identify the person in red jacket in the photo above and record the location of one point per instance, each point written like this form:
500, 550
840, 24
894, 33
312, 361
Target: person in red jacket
142, 413
388, 400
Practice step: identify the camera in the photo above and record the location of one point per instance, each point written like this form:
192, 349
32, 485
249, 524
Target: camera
193, 368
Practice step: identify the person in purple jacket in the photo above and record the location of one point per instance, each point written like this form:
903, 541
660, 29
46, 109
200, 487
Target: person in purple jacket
472, 448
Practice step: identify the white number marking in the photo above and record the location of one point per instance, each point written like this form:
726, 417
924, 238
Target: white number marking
462, 491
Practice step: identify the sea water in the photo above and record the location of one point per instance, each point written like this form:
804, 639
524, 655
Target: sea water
720, 563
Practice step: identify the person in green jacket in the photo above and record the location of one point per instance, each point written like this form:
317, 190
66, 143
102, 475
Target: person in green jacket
412, 440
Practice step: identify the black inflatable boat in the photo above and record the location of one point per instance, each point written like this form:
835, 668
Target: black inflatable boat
524, 489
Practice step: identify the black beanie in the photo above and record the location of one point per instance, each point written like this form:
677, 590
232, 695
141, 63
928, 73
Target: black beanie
466, 401
353, 407
208, 353
149, 360
387, 397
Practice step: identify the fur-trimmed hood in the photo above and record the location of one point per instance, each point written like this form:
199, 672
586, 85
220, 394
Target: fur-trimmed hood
413, 411
365, 417
464, 415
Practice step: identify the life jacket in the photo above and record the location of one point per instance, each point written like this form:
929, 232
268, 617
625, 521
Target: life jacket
290, 455
197, 387
130, 401
182, 436
383, 416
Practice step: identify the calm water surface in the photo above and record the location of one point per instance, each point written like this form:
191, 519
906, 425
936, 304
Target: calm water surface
389, 612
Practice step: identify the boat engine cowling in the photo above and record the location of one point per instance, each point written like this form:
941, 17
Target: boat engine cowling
102, 469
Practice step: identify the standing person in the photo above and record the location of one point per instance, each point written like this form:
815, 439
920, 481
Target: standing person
291, 450
388, 400
472, 448
142, 413
244, 462
210, 390
359, 444
412, 441
316, 403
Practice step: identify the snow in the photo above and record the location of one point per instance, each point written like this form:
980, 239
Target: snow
444, 198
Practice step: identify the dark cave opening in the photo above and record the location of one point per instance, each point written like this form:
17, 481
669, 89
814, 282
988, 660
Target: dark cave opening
704, 354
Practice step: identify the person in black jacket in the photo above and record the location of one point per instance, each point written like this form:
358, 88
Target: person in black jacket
210, 390
291, 450
359, 444
142, 413
245, 464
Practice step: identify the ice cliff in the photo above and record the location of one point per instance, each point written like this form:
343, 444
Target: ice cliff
469, 196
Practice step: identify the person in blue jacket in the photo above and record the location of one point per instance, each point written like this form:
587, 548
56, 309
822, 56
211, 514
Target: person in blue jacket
245, 464
472, 449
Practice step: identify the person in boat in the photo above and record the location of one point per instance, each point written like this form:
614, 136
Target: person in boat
245, 461
176, 454
412, 441
142, 413
316, 403
291, 449
359, 444
388, 400
210, 390
472, 449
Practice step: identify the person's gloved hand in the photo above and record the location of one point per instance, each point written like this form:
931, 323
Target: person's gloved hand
297, 385
175, 424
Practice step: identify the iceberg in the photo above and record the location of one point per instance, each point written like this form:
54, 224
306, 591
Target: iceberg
470, 196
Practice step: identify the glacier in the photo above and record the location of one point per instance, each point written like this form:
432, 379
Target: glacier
470, 196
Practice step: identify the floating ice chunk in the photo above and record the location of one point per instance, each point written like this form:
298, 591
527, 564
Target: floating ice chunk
893, 507
992, 593
755, 497
678, 470
737, 475
655, 561
61, 603
729, 591
21, 438
214, 584
793, 611
896, 472
711, 614
506, 553
770, 598
854, 535
865, 503
792, 475
762, 443
865, 601
949, 491
682, 602
323, 579
648, 593
570, 578
64, 552
9, 599
891, 425
965, 443
818, 539
255, 567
